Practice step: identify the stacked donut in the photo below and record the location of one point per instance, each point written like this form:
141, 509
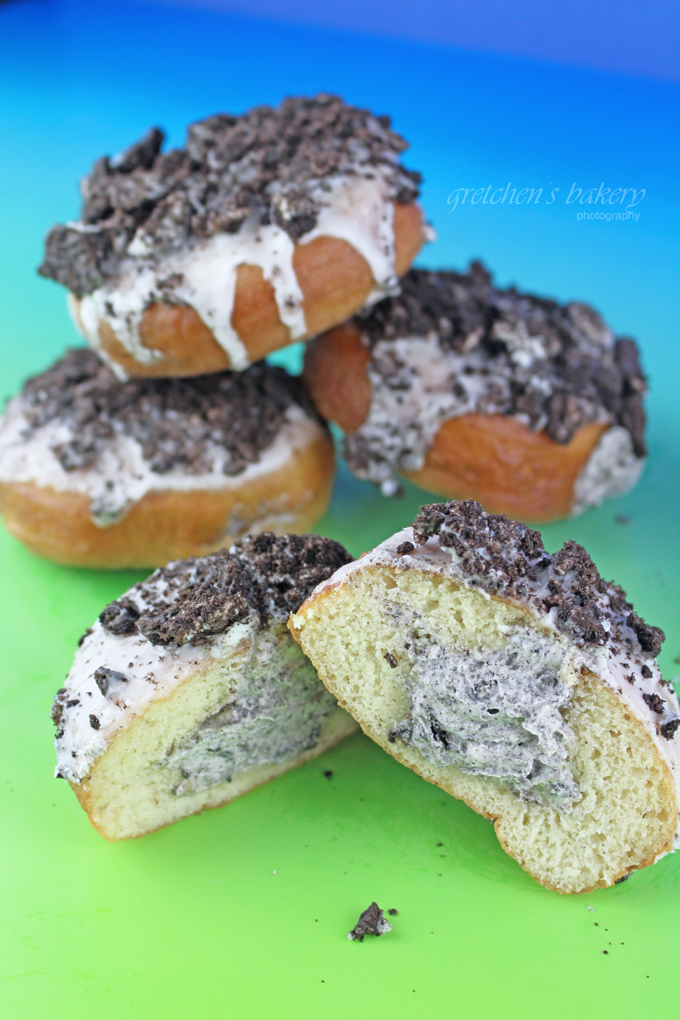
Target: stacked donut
530, 407
186, 268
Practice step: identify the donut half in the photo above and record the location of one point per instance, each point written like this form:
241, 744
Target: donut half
189, 691
517, 681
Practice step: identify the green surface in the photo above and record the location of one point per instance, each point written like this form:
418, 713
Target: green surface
243, 912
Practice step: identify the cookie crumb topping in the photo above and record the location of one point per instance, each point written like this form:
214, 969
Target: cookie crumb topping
194, 599
506, 557
554, 367
177, 422
267, 164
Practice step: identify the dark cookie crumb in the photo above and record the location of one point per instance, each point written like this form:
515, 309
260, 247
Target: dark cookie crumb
393, 911
328, 773
624, 878
106, 679
501, 555
120, 617
404, 733
650, 638
646, 672
57, 710
265, 163
94, 722
391, 660
668, 729
262, 575
175, 421
404, 548
84, 636
654, 702
371, 922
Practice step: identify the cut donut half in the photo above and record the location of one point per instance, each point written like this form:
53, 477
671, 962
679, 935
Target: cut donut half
189, 691
517, 681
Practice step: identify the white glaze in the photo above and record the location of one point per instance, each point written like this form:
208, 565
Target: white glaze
120, 476
357, 210
606, 662
442, 384
403, 420
611, 470
354, 207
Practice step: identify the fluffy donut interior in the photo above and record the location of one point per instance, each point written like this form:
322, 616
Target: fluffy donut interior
472, 693
241, 718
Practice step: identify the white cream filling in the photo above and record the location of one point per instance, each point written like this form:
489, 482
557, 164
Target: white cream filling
608, 662
354, 208
275, 712
121, 476
611, 470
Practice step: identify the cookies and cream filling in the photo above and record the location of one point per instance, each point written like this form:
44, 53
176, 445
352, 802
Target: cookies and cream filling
77, 429
185, 620
491, 711
275, 712
451, 344
502, 712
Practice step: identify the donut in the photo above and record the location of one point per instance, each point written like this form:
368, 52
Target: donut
517, 681
99, 473
267, 228
189, 691
530, 407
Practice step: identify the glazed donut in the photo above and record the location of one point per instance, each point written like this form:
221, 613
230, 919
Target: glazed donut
517, 681
99, 473
531, 407
266, 229
189, 691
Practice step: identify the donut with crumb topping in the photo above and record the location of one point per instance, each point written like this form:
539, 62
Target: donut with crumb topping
99, 473
516, 680
189, 691
531, 407
267, 228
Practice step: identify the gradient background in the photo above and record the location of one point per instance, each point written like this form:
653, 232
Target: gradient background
243, 912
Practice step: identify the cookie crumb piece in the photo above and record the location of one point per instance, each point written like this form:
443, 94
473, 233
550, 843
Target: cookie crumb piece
371, 922
391, 660
393, 911
328, 773
405, 548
